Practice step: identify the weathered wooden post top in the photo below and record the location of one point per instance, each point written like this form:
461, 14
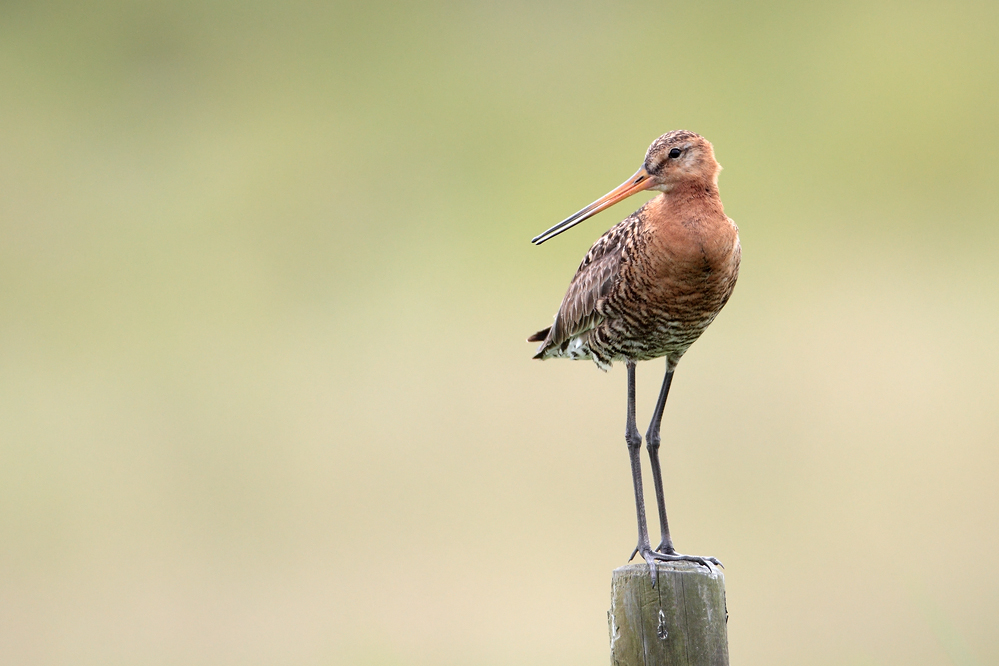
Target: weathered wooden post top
682, 620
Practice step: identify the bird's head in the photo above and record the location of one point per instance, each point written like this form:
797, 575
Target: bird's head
676, 158
680, 157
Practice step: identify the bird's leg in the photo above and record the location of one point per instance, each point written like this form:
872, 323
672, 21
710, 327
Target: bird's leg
665, 550
652, 440
634, 441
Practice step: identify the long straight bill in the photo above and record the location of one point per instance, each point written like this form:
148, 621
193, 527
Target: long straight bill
637, 183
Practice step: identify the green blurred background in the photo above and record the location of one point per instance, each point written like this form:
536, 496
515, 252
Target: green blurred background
264, 391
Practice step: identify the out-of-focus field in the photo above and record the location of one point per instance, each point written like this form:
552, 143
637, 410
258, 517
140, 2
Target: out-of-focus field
264, 284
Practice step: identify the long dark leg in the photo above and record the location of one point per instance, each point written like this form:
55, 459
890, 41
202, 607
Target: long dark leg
665, 551
634, 440
652, 440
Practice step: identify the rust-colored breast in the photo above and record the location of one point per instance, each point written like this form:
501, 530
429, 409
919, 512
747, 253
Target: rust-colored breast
677, 272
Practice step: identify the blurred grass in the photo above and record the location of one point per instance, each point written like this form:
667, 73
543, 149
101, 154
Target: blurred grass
265, 277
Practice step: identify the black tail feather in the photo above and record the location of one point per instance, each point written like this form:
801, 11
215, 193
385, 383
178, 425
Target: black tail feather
540, 335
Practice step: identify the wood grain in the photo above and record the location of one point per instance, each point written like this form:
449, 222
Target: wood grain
682, 621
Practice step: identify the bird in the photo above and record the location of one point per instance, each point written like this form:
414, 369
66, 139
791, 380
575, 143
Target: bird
647, 289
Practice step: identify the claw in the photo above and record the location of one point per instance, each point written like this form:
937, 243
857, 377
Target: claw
652, 566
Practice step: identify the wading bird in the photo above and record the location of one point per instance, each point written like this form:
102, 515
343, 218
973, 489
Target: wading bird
648, 288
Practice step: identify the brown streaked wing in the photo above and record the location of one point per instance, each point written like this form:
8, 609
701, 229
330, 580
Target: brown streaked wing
594, 279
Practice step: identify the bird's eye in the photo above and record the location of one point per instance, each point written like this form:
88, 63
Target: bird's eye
675, 153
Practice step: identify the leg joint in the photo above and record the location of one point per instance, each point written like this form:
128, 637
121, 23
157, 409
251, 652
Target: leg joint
652, 436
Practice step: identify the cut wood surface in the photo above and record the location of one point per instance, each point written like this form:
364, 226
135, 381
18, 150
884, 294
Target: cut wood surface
682, 620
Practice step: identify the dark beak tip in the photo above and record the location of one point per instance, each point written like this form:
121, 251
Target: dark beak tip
616, 195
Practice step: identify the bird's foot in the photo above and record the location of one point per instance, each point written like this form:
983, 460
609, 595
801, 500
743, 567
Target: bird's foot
652, 556
667, 553
649, 555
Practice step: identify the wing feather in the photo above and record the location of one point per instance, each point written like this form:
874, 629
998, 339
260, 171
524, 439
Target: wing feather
594, 280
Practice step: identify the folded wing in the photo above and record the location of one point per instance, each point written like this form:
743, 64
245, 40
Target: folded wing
594, 281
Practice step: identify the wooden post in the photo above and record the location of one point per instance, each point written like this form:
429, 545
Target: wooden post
683, 620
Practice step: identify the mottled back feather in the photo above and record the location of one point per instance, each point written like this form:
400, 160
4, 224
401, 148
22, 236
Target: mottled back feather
594, 280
